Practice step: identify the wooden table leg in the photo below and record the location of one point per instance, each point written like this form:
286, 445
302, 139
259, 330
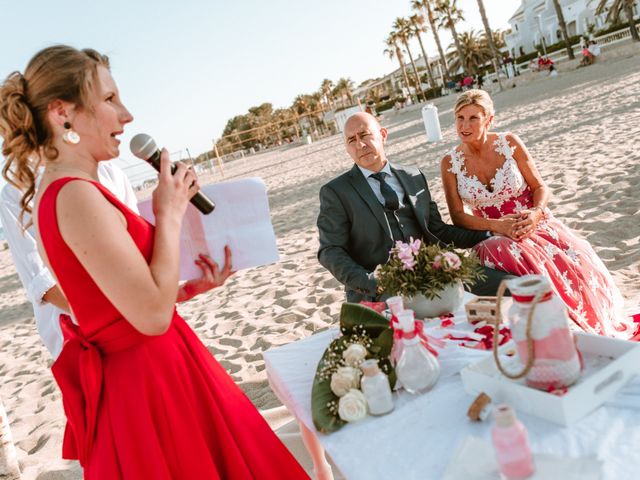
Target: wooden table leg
321, 467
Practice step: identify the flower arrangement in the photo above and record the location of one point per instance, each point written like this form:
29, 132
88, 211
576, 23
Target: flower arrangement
417, 268
336, 397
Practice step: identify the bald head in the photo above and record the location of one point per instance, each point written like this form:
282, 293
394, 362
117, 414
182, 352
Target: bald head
362, 117
364, 138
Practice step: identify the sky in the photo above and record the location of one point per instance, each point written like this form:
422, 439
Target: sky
185, 68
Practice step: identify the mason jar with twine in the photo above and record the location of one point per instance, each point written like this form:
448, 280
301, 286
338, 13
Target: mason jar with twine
558, 369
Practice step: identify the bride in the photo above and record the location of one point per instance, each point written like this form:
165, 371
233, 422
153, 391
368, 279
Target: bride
494, 175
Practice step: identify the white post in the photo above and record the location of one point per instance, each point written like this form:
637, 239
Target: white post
9, 468
215, 148
431, 122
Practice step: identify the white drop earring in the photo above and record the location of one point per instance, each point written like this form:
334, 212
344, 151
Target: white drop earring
70, 136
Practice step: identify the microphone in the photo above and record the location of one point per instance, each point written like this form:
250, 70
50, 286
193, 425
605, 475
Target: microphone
143, 147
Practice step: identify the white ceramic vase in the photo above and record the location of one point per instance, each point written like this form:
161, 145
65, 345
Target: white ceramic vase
449, 300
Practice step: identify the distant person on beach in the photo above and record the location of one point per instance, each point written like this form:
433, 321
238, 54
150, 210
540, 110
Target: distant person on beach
42, 290
494, 175
144, 398
594, 48
364, 211
533, 65
370, 108
544, 63
587, 56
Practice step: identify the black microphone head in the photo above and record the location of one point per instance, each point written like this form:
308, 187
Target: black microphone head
143, 146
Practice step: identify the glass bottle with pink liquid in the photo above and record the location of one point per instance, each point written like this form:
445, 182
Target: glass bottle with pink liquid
556, 362
511, 444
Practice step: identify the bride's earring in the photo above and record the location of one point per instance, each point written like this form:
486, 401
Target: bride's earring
70, 136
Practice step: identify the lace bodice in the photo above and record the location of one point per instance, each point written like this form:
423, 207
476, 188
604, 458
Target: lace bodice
510, 192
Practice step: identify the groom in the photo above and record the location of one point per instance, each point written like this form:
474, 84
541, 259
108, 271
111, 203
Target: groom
364, 211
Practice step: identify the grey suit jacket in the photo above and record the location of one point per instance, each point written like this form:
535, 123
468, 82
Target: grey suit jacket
354, 233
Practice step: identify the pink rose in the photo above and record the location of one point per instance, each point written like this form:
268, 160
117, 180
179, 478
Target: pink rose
401, 245
405, 255
437, 262
414, 245
452, 260
408, 263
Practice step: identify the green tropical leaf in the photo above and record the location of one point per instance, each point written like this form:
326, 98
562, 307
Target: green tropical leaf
354, 314
321, 395
355, 320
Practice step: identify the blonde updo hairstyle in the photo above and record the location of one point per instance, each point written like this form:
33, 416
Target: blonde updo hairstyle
475, 97
55, 73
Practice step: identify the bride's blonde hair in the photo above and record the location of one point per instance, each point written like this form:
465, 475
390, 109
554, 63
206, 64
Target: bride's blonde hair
54, 73
475, 97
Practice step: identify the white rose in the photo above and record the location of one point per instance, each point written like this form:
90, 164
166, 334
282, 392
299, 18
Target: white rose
354, 355
344, 379
352, 406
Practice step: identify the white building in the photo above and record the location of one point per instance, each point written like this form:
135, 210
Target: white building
393, 83
536, 20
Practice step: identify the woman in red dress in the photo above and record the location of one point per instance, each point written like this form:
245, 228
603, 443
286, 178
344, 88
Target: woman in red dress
495, 177
144, 398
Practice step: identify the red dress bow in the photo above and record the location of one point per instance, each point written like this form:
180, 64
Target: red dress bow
79, 372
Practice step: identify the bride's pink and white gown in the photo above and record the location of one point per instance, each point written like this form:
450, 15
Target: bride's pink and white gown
577, 275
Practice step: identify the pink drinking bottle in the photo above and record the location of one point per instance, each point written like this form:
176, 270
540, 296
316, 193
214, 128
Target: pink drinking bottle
511, 444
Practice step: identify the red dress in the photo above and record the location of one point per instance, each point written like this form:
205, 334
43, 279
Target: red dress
148, 407
576, 272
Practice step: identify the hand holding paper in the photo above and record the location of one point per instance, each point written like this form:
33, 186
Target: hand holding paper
212, 276
240, 221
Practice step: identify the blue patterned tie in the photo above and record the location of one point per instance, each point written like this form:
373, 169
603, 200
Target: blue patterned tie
390, 198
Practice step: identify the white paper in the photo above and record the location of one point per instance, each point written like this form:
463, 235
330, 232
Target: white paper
241, 220
475, 460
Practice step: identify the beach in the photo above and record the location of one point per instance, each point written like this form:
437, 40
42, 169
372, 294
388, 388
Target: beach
582, 129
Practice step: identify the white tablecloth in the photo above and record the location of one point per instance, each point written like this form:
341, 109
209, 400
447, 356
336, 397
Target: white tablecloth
417, 439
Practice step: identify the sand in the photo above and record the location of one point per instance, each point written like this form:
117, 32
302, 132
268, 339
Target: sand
581, 127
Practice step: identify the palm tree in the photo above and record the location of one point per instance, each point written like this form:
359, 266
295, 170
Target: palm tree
475, 53
616, 9
563, 29
259, 117
307, 106
498, 39
394, 50
326, 89
417, 27
495, 54
283, 120
450, 14
402, 27
343, 88
418, 5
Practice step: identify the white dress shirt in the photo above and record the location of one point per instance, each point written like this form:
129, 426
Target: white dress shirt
390, 179
33, 273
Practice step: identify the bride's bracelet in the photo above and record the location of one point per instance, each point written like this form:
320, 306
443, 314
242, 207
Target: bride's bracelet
539, 208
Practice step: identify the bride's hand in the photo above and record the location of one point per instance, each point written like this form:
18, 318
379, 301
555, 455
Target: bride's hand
527, 224
504, 225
